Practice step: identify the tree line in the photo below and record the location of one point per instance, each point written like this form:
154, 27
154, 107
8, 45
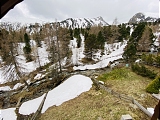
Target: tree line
58, 40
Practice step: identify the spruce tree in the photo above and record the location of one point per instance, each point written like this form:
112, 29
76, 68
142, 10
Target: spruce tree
90, 44
79, 40
130, 52
27, 47
107, 32
100, 40
124, 32
158, 60
71, 33
131, 48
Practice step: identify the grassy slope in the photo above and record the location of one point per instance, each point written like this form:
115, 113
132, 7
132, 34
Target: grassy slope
95, 104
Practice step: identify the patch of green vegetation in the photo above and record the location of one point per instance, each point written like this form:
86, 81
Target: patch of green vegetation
143, 71
154, 86
116, 74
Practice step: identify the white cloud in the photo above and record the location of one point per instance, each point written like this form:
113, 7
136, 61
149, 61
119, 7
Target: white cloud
49, 10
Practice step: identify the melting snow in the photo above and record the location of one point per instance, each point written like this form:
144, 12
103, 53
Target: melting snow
5, 88
29, 66
8, 114
38, 76
68, 90
30, 106
151, 110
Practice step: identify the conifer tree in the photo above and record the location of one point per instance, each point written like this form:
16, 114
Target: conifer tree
131, 48
79, 40
130, 52
100, 40
158, 60
124, 32
71, 33
27, 47
90, 44
107, 33
76, 32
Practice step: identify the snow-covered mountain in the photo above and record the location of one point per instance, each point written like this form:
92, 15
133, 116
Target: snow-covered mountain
72, 23
140, 17
83, 22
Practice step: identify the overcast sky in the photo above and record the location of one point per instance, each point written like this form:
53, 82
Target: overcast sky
31, 11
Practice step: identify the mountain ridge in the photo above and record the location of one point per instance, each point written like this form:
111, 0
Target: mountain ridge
83, 22
141, 17
71, 23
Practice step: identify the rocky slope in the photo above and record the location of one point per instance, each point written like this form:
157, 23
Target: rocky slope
140, 17
83, 22
71, 23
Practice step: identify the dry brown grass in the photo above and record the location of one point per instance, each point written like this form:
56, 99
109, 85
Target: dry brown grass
86, 60
95, 104
92, 105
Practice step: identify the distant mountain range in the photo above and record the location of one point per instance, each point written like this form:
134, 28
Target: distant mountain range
140, 17
83, 22
73, 23
99, 21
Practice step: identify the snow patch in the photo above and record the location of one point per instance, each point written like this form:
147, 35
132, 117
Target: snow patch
38, 76
31, 106
115, 54
8, 114
5, 88
17, 86
69, 89
151, 110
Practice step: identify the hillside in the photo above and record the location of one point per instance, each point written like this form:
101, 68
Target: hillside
54, 54
98, 104
76, 58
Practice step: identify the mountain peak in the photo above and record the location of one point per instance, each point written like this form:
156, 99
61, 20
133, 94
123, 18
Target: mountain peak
100, 18
140, 17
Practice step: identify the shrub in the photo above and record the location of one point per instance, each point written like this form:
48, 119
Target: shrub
154, 86
158, 60
151, 59
143, 71
135, 67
